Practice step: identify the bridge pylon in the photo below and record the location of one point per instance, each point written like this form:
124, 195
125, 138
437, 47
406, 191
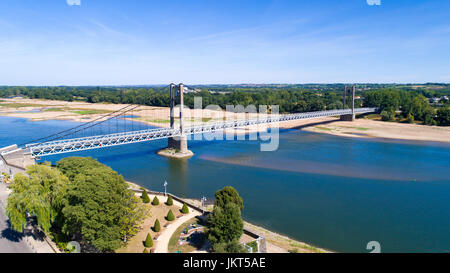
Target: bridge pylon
177, 146
352, 116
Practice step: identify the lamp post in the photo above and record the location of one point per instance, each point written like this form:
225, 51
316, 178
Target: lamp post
203, 203
165, 188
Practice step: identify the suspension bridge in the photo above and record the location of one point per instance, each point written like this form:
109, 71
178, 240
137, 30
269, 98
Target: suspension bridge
127, 126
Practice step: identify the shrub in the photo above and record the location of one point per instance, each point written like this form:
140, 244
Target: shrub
388, 115
294, 250
169, 201
170, 216
185, 209
145, 197
148, 241
157, 226
145, 250
410, 118
155, 201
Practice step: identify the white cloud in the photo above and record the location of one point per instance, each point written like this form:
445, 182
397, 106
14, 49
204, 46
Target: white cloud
73, 2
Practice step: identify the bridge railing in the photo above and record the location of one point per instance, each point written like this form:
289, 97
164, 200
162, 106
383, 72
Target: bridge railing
101, 141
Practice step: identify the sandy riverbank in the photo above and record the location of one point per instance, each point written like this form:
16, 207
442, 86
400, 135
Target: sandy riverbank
367, 128
38, 110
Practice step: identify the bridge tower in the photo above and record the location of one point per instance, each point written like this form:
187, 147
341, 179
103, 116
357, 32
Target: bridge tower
349, 117
177, 146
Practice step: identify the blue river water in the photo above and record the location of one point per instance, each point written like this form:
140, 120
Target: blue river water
333, 192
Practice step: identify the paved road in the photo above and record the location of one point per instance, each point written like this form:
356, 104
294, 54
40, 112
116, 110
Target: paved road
10, 241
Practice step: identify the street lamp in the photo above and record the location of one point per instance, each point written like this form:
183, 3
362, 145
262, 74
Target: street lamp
165, 188
203, 203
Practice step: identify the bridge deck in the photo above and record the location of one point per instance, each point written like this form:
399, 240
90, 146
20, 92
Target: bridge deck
102, 141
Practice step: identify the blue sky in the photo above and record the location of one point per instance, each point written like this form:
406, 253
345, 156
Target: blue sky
112, 42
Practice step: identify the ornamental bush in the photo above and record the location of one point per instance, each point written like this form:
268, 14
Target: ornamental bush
145, 197
170, 216
148, 241
157, 226
155, 201
169, 201
410, 118
146, 250
185, 209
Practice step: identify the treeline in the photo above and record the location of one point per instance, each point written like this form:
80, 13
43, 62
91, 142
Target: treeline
289, 100
411, 101
408, 106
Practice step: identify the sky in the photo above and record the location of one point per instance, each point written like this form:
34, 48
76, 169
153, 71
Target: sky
139, 42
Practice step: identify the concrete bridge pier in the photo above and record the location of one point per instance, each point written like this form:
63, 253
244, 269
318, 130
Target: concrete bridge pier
177, 146
352, 116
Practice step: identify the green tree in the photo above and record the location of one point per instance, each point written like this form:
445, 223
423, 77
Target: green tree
229, 247
228, 195
225, 225
185, 209
148, 241
40, 193
169, 201
443, 116
388, 115
145, 198
155, 201
72, 166
157, 226
170, 216
100, 208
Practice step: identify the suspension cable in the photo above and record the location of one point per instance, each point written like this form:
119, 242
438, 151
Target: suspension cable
40, 140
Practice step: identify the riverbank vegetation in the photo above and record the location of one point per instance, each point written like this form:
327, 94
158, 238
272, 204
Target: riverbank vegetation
426, 104
225, 224
78, 200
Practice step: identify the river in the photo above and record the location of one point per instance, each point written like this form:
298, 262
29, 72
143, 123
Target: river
332, 192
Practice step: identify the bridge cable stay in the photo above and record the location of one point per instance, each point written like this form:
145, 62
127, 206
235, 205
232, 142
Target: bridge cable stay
94, 122
93, 125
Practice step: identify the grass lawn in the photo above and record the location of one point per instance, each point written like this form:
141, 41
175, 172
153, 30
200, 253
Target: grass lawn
173, 242
89, 111
54, 110
136, 243
361, 128
21, 105
323, 128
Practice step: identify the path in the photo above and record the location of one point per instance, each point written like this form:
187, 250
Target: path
15, 242
162, 243
10, 241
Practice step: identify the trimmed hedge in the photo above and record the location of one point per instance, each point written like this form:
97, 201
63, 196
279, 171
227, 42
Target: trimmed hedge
169, 201
170, 216
185, 209
157, 226
145, 197
155, 201
148, 241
